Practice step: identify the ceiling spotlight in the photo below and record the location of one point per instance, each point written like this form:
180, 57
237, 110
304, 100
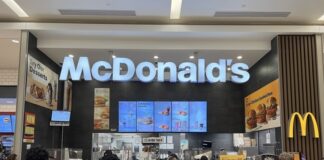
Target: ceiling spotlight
71, 55
228, 68
16, 8
175, 9
15, 41
192, 57
239, 57
113, 56
156, 57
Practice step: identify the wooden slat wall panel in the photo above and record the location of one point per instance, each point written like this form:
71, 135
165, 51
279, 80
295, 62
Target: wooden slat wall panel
299, 90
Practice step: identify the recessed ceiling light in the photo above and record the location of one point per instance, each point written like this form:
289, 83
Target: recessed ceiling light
321, 18
113, 56
156, 57
71, 55
192, 57
239, 57
175, 9
14, 41
16, 8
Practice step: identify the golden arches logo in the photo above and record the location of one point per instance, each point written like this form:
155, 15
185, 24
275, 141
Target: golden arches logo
303, 124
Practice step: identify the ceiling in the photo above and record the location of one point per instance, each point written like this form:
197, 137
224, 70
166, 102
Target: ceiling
143, 44
9, 53
158, 11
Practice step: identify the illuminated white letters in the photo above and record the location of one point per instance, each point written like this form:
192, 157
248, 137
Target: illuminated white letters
68, 67
161, 71
96, 72
148, 72
140, 72
240, 73
221, 69
188, 72
117, 69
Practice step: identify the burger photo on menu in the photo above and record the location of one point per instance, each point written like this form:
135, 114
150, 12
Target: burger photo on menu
101, 108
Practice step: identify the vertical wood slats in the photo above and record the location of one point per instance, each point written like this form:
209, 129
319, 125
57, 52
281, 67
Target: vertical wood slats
299, 91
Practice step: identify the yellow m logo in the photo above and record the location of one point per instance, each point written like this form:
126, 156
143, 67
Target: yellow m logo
303, 124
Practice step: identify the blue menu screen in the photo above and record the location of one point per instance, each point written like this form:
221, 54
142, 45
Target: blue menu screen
145, 116
13, 122
60, 116
198, 116
5, 123
180, 116
162, 116
127, 116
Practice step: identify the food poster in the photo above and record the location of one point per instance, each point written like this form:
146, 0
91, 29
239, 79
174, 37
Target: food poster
30, 121
145, 120
67, 104
180, 116
162, 115
262, 108
127, 116
198, 116
101, 108
42, 85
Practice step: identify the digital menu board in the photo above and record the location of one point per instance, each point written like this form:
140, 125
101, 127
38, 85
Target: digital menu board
162, 116
13, 123
127, 116
198, 116
5, 123
145, 116
180, 116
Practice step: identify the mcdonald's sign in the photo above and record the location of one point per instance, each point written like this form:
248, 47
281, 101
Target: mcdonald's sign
303, 124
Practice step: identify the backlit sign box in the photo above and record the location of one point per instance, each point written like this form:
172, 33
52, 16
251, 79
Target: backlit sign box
185, 72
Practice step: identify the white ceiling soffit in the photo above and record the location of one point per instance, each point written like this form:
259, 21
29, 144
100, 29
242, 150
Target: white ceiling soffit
97, 12
251, 14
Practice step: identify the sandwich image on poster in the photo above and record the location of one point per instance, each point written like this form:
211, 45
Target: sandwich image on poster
42, 85
162, 116
180, 116
127, 116
101, 108
145, 120
198, 116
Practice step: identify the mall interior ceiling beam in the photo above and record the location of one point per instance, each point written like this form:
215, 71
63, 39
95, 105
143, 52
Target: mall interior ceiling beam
293, 29
217, 45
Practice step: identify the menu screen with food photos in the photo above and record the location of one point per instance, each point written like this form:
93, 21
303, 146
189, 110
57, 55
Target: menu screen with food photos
162, 116
13, 123
127, 116
145, 116
180, 116
5, 123
198, 116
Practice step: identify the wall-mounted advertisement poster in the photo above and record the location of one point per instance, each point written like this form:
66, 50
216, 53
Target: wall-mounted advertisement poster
42, 85
101, 108
30, 121
262, 108
67, 105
